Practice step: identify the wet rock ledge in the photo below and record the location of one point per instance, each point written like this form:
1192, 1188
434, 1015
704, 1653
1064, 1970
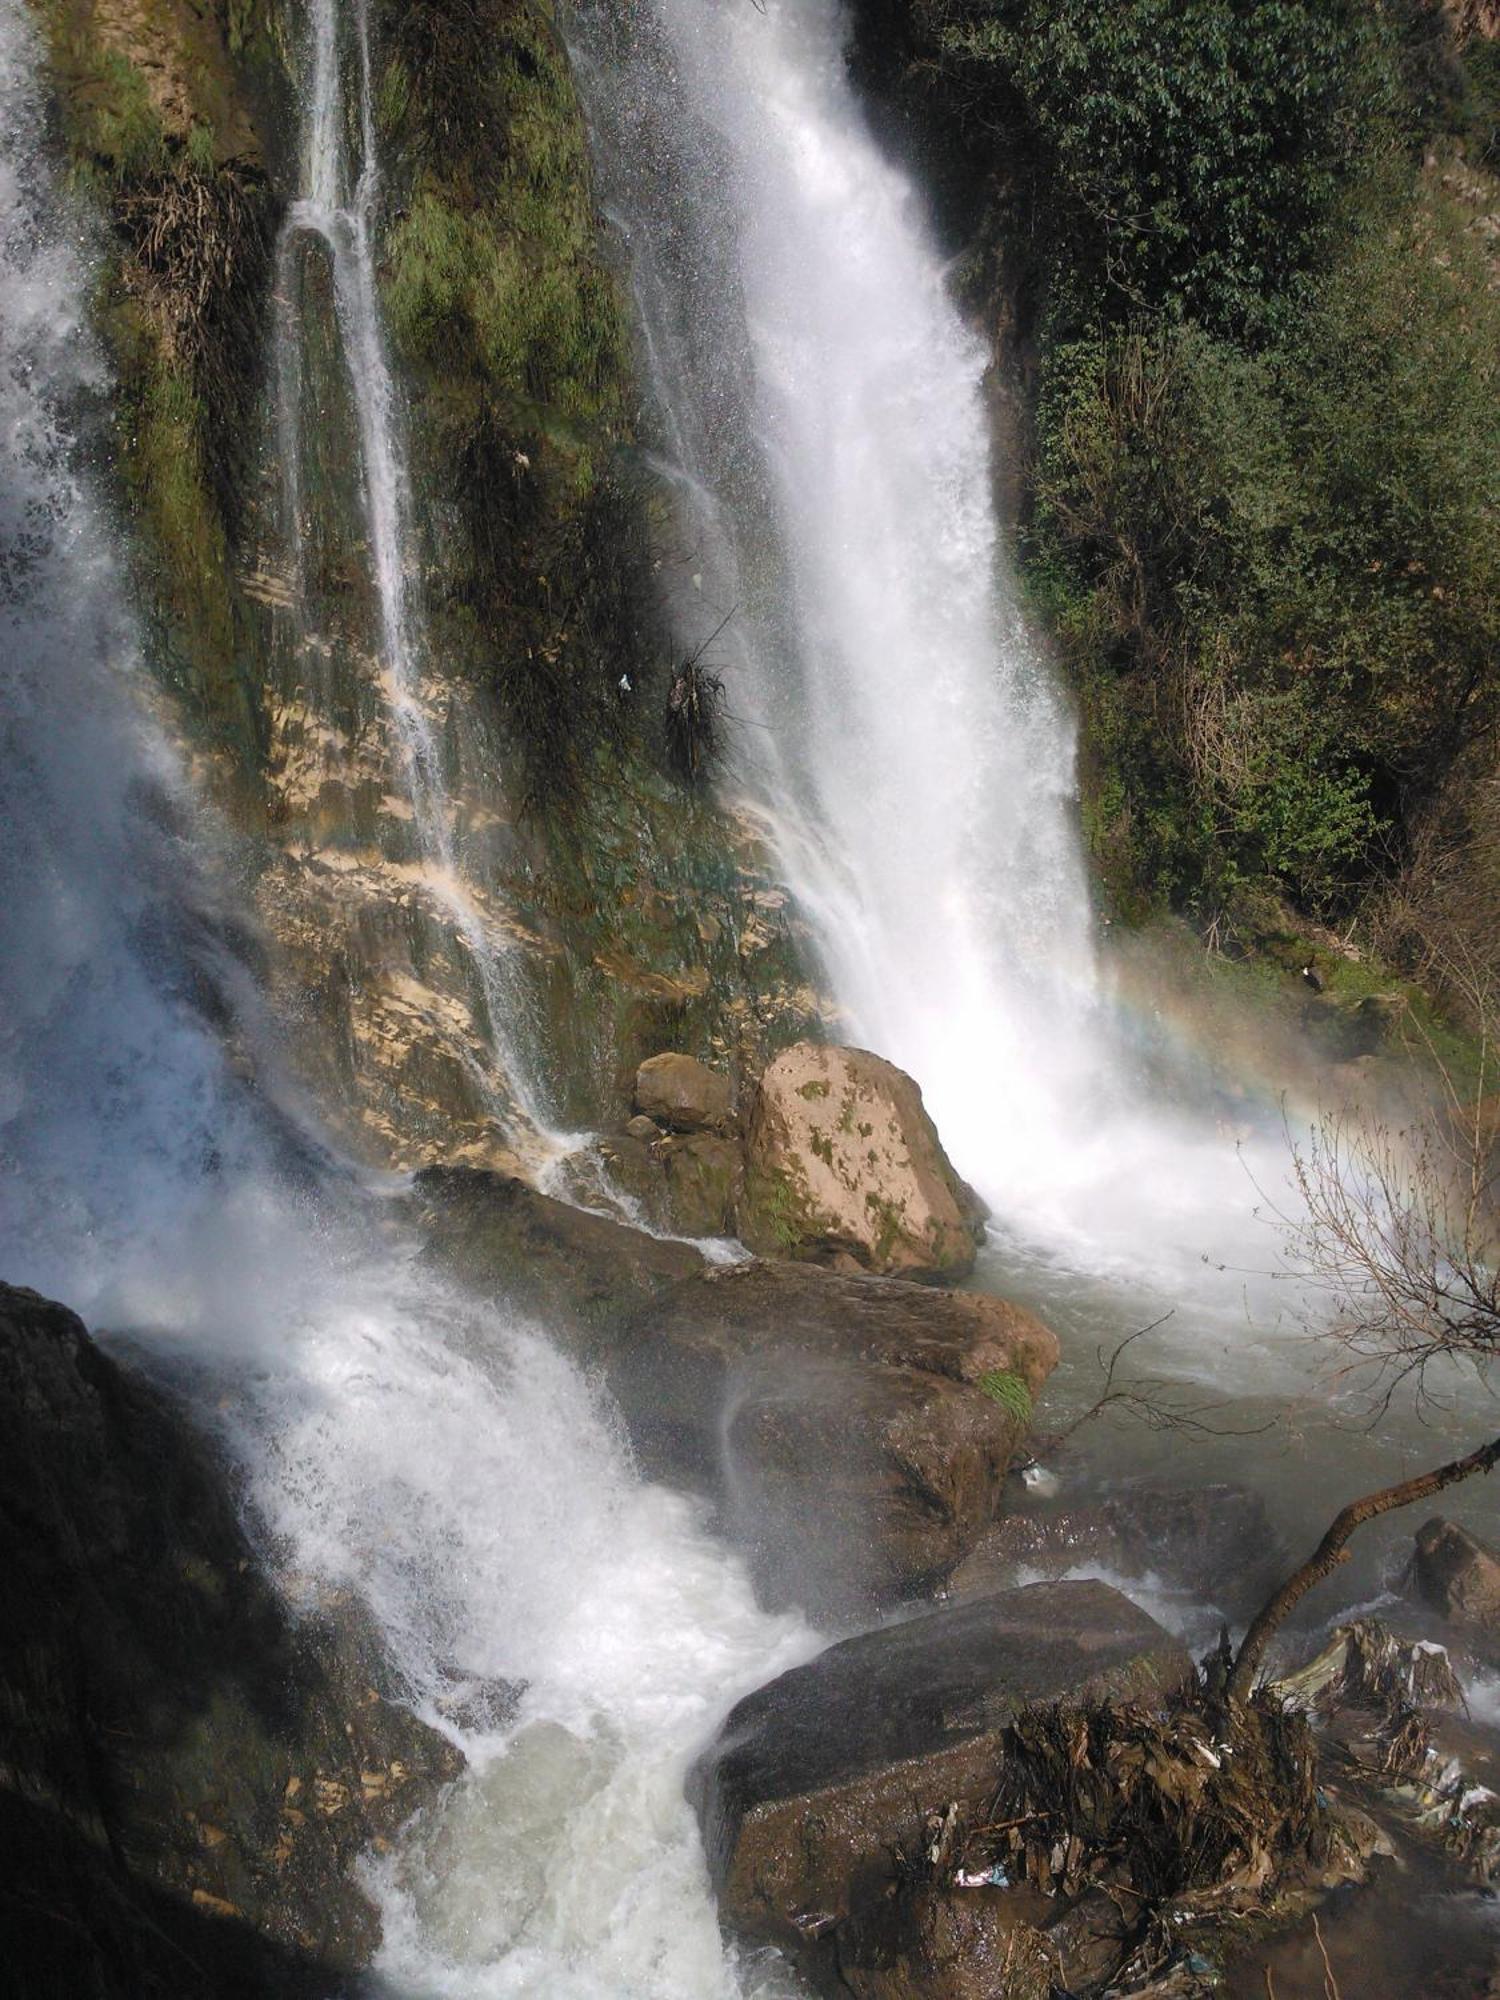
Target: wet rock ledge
187, 1774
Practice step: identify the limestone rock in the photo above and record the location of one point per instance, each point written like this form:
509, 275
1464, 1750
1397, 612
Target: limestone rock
1459, 1576
818, 1780
682, 1093
191, 1773
845, 1164
838, 1420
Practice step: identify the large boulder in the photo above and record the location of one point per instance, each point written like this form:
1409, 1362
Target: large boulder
820, 1782
188, 1775
1459, 1577
845, 1166
682, 1093
855, 1431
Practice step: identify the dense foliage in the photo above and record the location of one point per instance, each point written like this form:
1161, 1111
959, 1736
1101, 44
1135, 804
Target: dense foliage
1248, 251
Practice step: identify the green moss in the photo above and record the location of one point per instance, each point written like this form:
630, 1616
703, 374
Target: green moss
814, 1089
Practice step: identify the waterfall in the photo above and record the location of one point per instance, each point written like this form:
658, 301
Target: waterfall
822, 414
425, 1448
335, 212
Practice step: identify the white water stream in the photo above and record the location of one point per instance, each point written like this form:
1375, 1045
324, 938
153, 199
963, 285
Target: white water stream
433, 1452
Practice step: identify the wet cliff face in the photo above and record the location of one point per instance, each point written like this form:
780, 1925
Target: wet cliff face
624, 910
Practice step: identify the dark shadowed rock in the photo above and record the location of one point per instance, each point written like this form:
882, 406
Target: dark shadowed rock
546, 1256
937, 1943
1216, 1541
1459, 1576
840, 1422
682, 1093
188, 1773
820, 1780
688, 1183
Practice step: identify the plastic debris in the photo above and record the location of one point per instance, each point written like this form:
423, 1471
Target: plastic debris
982, 1878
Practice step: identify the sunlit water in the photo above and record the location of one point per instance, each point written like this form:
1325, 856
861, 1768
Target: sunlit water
821, 422
917, 768
822, 417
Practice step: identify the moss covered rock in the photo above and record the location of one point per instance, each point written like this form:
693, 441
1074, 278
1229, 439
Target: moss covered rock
844, 1164
190, 1772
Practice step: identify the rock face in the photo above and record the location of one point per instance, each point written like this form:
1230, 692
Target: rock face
560, 1262
817, 1780
1460, 1577
189, 1773
690, 1183
839, 1420
844, 1165
682, 1093
847, 1427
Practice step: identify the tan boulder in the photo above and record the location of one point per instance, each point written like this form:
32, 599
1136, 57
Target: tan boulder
845, 1166
680, 1092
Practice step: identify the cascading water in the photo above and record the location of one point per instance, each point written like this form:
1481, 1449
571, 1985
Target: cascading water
428, 1450
335, 211
821, 395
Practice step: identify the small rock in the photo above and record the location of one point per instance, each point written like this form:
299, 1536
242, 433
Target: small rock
1459, 1577
643, 1128
683, 1093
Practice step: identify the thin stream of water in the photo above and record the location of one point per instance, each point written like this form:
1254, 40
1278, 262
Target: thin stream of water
337, 209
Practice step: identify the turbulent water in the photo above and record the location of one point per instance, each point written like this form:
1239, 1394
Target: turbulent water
432, 1452
822, 414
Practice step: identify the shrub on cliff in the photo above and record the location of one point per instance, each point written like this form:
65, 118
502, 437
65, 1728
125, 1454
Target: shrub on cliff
1276, 576
1187, 156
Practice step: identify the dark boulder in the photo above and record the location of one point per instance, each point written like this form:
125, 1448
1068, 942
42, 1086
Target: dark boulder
1459, 1577
938, 1943
582, 1273
1216, 1542
842, 1422
187, 1774
819, 1783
